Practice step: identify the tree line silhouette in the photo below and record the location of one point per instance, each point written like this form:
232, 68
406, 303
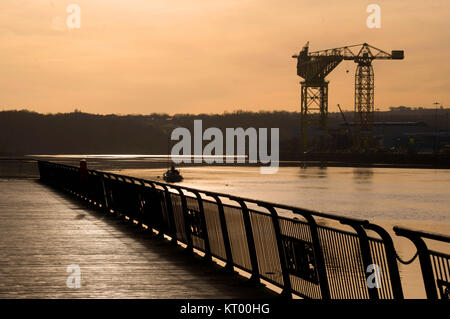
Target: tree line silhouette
25, 132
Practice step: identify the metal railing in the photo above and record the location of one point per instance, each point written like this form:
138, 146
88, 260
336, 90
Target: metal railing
303, 255
435, 265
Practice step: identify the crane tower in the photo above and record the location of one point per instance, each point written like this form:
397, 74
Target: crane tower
313, 67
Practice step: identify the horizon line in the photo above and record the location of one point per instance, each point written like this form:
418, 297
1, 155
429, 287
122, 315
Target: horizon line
76, 111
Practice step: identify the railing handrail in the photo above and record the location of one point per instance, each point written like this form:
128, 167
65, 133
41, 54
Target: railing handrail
401, 231
239, 198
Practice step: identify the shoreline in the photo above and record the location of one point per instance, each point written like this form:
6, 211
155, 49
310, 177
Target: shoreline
161, 161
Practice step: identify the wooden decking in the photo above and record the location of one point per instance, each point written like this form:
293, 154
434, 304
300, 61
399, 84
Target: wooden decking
43, 231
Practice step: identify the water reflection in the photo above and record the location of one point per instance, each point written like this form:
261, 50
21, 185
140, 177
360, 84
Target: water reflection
363, 175
313, 172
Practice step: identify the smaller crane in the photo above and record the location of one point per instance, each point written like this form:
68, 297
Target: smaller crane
345, 121
349, 130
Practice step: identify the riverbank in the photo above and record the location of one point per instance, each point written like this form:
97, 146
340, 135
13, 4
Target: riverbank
381, 160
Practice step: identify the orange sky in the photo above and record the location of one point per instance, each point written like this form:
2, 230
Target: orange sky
192, 56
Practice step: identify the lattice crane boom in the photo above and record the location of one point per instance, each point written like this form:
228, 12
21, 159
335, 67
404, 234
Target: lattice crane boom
358, 51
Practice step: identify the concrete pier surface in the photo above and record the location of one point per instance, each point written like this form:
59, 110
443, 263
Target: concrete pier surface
43, 231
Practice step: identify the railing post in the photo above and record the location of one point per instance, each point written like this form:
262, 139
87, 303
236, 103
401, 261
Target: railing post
365, 252
318, 254
138, 188
205, 228
122, 211
114, 182
250, 240
424, 259
187, 227
287, 289
391, 257
142, 189
225, 237
41, 170
143, 212
173, 226
105, 196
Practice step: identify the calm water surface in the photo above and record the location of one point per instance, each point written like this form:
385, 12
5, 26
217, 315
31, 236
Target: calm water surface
370, 193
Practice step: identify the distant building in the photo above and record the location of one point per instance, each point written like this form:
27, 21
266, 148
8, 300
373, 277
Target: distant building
407, 135
399, 108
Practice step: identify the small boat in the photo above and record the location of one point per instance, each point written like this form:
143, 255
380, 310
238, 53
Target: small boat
172, 175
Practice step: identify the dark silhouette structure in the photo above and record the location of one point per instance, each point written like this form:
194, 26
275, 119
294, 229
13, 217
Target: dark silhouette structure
24, 132
313, 67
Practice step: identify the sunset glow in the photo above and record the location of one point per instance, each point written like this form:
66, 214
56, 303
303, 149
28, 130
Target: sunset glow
211, 56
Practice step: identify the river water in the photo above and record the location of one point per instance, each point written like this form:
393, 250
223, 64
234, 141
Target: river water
387, 194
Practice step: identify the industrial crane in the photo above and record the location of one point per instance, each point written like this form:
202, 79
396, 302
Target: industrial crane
345, 120
313, 67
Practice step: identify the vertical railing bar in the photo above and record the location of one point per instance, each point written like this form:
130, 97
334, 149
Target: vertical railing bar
359, 291
225, 236
332, 250
147, 214
351, 282
145, 192
342, 246
386, 285
391, 257
354, 267
328, 247
287, 289
438, 262
170, 213
306, 232
318, 255
444, 272
360, 268
204, 226
446, 262
375, 261
186, 218
434, 266
339, 279
365, 251
425, 263
105, 195
441, 268
250, 241
392, 289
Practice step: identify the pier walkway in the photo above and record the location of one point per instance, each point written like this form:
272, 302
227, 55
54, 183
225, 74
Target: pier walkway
43, 231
